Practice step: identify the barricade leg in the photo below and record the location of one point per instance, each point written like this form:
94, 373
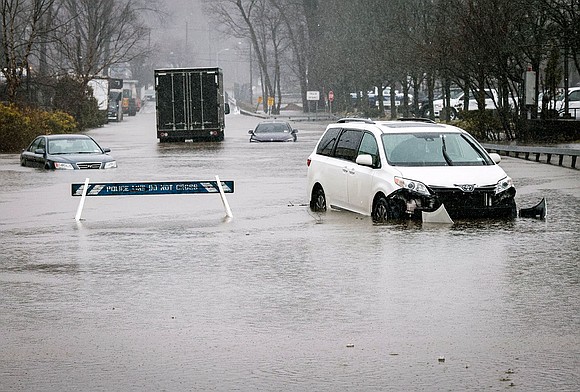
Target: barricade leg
223, 196
82, 202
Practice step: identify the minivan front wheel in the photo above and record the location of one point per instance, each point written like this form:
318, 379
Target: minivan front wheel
380, 213
318, 200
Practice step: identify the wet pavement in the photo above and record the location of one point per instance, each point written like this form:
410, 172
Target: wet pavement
166, 293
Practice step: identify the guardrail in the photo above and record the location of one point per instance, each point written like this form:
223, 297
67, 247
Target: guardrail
565, 155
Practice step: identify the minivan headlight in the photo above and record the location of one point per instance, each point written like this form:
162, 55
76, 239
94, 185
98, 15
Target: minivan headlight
413, 186
503, 185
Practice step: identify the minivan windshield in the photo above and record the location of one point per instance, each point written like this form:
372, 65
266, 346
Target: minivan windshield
433, 149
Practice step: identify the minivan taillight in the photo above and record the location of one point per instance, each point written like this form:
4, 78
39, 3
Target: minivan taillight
308, 162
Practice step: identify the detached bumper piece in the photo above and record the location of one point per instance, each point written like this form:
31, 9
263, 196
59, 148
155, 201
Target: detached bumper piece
539, 211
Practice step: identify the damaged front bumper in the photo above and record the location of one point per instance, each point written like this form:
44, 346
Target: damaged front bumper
479, 202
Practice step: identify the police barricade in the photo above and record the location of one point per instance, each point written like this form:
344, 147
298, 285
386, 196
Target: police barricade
152, 188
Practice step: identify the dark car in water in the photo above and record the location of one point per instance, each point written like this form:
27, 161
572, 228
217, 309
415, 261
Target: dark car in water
273, 131
66, 152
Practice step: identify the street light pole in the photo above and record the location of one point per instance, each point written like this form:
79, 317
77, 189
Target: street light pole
251, 81
218, 56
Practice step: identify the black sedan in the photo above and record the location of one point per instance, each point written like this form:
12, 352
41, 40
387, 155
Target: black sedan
66, 152
273, 131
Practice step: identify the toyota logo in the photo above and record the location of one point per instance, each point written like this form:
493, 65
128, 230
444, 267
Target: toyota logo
467, 187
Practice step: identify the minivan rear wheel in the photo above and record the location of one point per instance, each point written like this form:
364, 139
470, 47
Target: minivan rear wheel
380, 213
318, 200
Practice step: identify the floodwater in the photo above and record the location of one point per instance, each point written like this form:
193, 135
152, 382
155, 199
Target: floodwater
164, 293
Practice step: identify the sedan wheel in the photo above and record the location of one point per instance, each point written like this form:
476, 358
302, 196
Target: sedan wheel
318, 200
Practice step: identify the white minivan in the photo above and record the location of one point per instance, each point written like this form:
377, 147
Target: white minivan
398, 169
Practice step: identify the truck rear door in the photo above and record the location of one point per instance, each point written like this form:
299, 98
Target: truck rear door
204, 100
171, 101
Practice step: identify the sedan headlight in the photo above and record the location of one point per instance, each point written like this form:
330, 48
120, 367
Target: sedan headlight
413, 186
63, 166
503, 185
111, 165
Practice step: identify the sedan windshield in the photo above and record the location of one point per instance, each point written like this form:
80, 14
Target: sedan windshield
434, 149
73, 146
271, 127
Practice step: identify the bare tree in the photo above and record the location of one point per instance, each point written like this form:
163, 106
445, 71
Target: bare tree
102, 33
22, 28
566, 17
247, 19
293, 15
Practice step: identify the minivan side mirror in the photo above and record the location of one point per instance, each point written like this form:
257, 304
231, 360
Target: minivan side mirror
365, 160
495, 157
227, 108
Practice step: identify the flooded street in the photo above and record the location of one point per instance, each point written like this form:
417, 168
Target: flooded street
163, 293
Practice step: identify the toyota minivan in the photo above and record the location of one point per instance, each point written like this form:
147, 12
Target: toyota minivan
399, 169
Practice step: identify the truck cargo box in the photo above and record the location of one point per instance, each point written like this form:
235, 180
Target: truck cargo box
190, 104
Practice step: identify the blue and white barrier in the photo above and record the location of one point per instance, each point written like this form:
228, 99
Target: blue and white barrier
152, 188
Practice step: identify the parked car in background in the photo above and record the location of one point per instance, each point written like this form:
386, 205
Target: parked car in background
115, 112
273, 131
66, 152
150, 94
398, 169
425, 107
457, 102
373, 96
557, 106
399, 98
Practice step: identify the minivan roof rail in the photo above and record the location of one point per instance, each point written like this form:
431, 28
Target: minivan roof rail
418, 119
355, 119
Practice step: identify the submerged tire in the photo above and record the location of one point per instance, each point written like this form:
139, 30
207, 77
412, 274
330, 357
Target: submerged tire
380, 213
318, 200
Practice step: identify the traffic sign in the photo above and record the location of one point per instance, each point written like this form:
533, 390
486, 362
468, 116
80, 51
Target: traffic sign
331, 96
312, 95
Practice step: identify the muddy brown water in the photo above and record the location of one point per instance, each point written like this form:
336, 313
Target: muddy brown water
166, 293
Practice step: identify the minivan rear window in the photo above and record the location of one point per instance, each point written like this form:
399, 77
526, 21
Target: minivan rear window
347, 145
326, 145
